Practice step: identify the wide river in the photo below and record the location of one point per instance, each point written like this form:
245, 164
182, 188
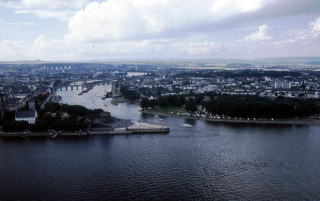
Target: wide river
210, 161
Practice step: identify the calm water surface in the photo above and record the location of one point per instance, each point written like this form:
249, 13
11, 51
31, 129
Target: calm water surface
209, 161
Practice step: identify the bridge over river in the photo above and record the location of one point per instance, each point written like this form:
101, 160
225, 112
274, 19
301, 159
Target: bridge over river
83, 85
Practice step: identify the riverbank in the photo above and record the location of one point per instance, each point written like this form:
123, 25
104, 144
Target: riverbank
134, 128
89, 88
241, 121
123, 100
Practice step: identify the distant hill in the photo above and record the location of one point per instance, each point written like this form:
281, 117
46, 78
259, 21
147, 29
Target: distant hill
291, 60
280, 60
22, 62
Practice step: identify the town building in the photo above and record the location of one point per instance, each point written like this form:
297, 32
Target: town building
29, 115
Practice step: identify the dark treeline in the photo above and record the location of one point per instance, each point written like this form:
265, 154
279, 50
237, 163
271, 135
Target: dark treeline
258, 107
74, 111
239, 106
190, 104
163, 102
53, 116
129, 93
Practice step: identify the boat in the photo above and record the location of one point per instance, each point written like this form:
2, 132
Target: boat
187, 125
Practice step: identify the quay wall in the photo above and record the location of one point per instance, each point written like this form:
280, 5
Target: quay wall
87, 133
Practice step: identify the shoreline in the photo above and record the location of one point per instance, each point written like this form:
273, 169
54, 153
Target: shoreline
85, 134
133, 129
123, 100
243, 121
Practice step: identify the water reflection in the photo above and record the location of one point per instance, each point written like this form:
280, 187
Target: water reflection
207, 161
94, 100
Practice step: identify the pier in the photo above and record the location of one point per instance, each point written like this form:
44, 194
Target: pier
139, 127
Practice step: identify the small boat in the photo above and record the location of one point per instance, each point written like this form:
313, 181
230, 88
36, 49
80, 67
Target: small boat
187, 125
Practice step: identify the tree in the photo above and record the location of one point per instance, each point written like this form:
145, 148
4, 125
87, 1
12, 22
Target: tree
15, 126
52, 107
191, 106
128, 93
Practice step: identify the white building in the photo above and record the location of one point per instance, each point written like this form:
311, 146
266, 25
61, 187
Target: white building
282, 85
30, 116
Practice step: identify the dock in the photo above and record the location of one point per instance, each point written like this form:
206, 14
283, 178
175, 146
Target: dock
135, 128
139, 127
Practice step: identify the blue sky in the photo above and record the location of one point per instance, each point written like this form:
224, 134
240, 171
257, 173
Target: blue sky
59, 30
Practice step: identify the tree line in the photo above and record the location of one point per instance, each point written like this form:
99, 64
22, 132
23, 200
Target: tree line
129, 93
52, 117
163, 101
260, 107
239, 105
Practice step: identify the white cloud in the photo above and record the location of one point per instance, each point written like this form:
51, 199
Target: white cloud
199, 48
11, 50
315, 26
44, 48
260, 34
44, 9
46, 14
126, 19
140, 29
229, 7
46, 4
17, 23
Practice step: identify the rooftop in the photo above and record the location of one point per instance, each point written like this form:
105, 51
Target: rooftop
26, 114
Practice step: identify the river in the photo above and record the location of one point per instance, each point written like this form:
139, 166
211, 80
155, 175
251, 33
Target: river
209, 161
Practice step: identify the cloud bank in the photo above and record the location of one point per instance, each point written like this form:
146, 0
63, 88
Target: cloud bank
44, 4
127, 19
260, 34
144, 29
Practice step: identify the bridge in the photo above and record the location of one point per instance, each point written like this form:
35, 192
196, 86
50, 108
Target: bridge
81, 85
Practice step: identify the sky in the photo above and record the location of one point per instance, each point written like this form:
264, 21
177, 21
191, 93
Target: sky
73, 30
